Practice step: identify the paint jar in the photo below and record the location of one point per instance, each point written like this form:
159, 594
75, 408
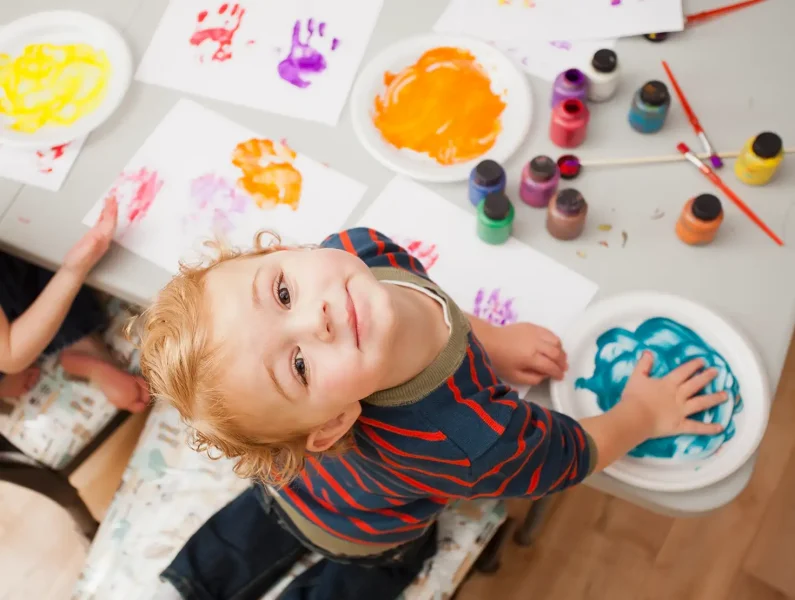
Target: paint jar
602, 74
656, 37
650, 107
487, 177
540, 178
569, 123
759, 159
566, 215
700, 220
495, 218
570, 84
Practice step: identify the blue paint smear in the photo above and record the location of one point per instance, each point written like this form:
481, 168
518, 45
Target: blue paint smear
672, 344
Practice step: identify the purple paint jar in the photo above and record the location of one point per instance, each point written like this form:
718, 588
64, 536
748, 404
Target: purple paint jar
571, 83
540, 178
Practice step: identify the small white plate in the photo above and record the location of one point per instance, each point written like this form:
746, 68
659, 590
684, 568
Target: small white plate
628, 311
504, 75
63, 27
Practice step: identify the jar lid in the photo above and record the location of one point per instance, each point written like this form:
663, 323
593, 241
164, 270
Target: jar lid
706, 207
604, 61
569, 166
542, 168
496, 206
570, 202
654, 93
574, 77
767, 145
489, 172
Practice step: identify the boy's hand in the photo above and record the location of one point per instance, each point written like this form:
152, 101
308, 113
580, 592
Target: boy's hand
95, 243
664, 405
523, 353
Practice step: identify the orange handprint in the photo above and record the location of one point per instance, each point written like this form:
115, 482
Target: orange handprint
268, 172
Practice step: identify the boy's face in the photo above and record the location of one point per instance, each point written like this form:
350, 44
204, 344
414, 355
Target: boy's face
304, 335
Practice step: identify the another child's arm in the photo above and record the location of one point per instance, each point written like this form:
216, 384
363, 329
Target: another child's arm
22, 341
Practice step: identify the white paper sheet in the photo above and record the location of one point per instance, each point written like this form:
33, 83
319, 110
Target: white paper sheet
548, 59
296, 58
181, 187
502, 284
548, 20
46, 168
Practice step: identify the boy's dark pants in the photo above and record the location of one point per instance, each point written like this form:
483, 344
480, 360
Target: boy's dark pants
249, 545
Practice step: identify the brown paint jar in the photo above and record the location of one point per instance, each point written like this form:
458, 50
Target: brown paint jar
700, 220
566, 214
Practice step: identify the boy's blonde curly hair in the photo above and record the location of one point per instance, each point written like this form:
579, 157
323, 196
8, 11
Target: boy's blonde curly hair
184, 368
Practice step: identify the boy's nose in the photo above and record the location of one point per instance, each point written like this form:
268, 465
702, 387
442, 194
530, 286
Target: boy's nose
323, 327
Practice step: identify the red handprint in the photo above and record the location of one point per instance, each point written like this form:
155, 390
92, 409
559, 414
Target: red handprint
424, 252
216, 31
45, 159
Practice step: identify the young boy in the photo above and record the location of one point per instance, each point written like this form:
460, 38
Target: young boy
364, 400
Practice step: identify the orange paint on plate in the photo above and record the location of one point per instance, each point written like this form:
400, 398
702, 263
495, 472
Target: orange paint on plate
268, 173
442, 106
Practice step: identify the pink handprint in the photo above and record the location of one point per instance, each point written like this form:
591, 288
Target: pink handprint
424, 252
495, 310
135, 191
304, 60
215, 201
216, 31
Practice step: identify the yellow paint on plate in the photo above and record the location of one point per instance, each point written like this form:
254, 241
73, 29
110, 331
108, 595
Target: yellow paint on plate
52, 84
442, 106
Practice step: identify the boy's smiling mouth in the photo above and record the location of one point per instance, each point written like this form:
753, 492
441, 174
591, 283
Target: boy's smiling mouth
352, 319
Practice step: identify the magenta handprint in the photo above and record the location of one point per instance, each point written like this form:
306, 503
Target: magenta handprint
424, 252
215, 32
304, 60
495, 310
215, 201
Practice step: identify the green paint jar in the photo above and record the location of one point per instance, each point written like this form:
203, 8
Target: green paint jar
495, 218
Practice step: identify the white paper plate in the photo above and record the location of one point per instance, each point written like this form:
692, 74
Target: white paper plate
505, 76
61, 27
630, 310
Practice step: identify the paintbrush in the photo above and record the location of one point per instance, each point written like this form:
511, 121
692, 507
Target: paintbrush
717, 182
648, 160
691, 115
716, 12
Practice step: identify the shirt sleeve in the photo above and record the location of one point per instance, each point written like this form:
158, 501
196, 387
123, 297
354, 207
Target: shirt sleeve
375, 249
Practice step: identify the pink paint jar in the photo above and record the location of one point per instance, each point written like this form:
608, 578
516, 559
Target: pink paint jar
569, 123
540, 178
570, 84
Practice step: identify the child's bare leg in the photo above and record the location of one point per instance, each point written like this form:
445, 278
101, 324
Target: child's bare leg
88, 358
19, 384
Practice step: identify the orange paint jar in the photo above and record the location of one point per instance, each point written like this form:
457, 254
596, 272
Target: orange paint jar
700, 220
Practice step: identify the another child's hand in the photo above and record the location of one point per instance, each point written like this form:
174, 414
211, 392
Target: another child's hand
527, 354
666, 404
95, 243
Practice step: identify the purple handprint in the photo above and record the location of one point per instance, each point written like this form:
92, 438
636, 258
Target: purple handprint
303, 59
495, 310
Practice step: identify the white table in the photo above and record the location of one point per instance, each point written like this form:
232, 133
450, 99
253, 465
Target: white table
739, 88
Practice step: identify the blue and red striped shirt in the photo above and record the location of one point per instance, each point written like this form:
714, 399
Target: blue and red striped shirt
467, 436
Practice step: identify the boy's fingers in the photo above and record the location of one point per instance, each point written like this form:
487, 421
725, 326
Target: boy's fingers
645, 363
556, 353
699, 403
693, 427
547, 366
530, 378
697, 382
685, 371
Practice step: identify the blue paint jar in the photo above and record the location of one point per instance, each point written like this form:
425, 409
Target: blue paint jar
650, 107
487, 177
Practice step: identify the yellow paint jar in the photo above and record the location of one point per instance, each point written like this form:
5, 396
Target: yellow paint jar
759, 159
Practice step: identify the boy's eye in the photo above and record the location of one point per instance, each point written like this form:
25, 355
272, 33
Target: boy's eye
282, 293
300, 367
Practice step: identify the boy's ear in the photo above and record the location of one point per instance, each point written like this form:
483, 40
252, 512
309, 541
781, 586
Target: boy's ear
325, 436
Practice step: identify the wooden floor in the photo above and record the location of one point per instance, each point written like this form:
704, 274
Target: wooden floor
591, 547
